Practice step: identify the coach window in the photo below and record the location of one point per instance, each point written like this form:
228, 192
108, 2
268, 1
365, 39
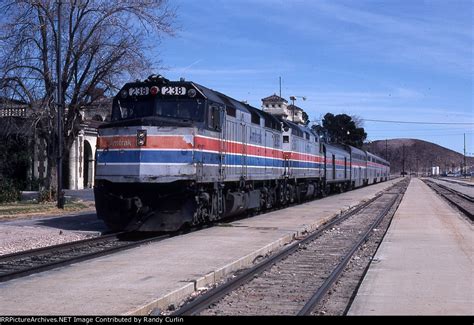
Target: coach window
333, 167
286, 139
345, 167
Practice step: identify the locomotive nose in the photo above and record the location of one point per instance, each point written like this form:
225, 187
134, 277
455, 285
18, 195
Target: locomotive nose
145, 154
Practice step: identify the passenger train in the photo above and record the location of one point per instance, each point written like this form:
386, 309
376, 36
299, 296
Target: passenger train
177, 153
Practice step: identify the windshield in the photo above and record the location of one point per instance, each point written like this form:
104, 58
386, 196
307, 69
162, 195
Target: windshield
192, 109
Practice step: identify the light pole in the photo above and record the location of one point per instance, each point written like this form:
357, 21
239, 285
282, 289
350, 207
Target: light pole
293, 98
465, 165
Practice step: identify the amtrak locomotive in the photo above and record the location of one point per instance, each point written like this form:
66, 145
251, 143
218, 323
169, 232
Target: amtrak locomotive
177, 153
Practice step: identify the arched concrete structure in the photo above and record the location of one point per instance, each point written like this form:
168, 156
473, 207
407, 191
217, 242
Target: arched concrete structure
82, 159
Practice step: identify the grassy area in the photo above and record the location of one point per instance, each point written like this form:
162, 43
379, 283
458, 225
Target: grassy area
20, 209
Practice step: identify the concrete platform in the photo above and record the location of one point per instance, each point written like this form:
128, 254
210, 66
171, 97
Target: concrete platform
155, 275
424, 266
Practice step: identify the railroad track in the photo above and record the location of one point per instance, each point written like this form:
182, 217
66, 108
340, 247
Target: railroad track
293, 281
457, 183
462, 201
20, 264
37, 260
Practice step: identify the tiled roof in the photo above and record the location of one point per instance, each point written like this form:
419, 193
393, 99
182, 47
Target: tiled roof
296, 108
274, 98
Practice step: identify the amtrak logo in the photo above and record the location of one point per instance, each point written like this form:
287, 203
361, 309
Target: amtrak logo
121, 143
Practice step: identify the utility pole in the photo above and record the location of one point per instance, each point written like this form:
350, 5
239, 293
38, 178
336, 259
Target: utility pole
59, 107
403, 161
386, 145
293, 98
465, 165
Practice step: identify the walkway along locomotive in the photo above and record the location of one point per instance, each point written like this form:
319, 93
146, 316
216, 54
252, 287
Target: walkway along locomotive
177, 153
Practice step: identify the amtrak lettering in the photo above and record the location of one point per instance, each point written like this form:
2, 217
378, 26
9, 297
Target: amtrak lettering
121, 143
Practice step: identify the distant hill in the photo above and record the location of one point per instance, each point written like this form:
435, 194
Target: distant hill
419, 155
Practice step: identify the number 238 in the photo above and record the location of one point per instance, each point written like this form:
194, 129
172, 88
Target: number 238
173, 91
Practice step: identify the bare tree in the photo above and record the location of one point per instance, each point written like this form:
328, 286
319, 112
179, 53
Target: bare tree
103, 43
358, 121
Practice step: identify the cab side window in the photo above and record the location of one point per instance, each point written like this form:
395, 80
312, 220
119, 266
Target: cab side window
215, 118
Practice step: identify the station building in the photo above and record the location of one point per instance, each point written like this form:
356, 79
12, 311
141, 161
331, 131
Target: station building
17, 118
279, 106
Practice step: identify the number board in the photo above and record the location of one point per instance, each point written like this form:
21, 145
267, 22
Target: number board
173, 90
138, 91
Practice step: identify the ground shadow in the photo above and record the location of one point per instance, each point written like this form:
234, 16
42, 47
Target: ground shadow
84, 222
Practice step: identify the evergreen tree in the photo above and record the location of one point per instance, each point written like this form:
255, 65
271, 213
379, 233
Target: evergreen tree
342, 129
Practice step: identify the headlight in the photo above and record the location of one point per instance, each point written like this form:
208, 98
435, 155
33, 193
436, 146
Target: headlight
141, 138
154, 90
191, 93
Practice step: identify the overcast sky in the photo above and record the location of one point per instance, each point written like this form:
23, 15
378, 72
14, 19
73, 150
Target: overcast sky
380, 60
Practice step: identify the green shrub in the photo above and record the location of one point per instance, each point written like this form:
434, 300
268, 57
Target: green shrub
9, 191
15, 159
35, 184
46, 195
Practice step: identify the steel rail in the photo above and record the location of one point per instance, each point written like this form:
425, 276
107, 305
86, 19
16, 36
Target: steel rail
36, 251
199, 304
435, 187
319, 294
456, 192
52, 254
456, 182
